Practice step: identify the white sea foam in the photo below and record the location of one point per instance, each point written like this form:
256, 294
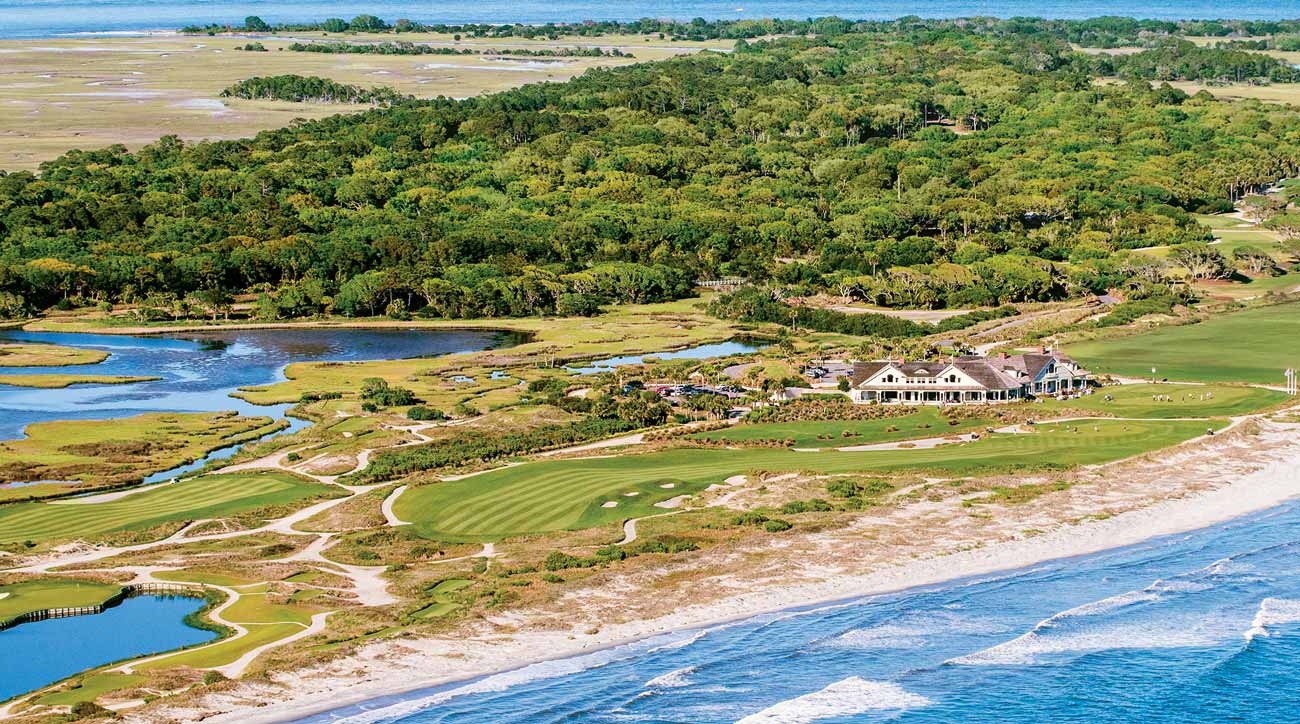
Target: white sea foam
843, 698
1064, 632
533, 672
911, 631
1272, 612
1029, 648
672, 680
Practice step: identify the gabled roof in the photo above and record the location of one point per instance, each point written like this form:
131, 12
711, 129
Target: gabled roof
986, 375
992, 373
862, 371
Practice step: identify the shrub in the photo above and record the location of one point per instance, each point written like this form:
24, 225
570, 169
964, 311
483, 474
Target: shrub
212, 677
776, 525
421, 413
88, 710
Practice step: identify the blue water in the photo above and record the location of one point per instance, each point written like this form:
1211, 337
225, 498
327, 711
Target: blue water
704, 351
34, 654
199, 371
1201, 627
43, 18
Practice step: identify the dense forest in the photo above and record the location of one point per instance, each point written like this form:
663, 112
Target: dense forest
920, 166
404, 48
302, 88
1099, 32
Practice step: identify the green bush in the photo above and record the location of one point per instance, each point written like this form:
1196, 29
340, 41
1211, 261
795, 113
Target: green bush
422, 413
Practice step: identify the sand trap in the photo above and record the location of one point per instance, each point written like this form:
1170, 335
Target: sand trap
610, 504
633, 494
672, 502
736, 480
4, 595
668, 486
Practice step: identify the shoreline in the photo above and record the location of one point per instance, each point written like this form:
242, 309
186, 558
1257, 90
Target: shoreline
396, 678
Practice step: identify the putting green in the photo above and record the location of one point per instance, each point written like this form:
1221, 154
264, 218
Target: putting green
28, 596
573, 494
1250, 346
211, 496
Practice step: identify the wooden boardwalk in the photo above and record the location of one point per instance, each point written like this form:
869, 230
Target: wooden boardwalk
129, 591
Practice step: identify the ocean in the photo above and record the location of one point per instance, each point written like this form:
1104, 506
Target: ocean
1202, 627
49, 18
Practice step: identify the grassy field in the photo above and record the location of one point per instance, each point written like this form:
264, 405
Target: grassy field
27, 596
926, 422
211, 496
1250, 346
266, 622
99, 452
63, 93
47, 355
1188, 401
56, 382
91, 688
571, 494
1272, 93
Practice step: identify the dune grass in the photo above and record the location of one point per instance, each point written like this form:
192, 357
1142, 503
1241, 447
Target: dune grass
571, 494
926, 422
211, 496
27, 596
1254, 345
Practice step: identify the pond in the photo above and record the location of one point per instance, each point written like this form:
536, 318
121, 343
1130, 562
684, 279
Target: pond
34, 654
704, 351
200, 370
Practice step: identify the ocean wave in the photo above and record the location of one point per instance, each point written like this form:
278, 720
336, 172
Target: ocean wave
1272, 612
911, 632
672, 680
1029, 648
1060, 632
851, 696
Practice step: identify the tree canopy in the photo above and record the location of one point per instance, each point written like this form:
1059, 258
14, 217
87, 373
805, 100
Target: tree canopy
922, 166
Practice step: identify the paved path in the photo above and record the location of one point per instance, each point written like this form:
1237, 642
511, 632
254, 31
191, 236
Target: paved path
389, 515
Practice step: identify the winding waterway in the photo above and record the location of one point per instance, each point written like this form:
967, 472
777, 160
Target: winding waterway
200, 370
1196, 628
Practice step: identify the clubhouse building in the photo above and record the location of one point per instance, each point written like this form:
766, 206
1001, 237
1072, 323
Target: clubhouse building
967, 380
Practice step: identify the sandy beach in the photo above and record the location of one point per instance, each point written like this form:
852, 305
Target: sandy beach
1197, 485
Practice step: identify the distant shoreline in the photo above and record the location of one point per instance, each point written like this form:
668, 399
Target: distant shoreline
44, 23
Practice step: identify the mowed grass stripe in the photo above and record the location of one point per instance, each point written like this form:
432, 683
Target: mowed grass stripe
211, 496
558, 494
1254, 345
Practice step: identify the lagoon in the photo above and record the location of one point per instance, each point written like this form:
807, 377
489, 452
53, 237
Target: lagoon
35, 654
200, 370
